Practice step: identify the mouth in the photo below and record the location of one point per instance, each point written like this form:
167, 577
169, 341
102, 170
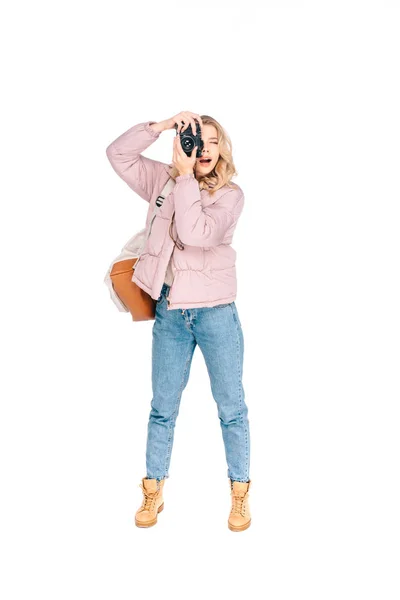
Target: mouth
204, 161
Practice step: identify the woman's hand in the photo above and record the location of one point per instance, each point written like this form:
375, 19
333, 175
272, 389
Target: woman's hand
183, 162
183, 119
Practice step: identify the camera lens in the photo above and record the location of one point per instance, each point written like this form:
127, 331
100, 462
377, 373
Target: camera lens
187, 143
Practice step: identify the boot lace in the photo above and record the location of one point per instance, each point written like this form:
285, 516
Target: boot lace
148, 499
238, 506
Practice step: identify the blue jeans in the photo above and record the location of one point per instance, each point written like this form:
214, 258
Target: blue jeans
176, 333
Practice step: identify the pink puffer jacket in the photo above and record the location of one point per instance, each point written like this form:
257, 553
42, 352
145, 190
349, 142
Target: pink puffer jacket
204, 271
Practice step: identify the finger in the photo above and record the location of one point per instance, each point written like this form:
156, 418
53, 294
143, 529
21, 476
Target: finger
179, 155
188, 116
191, 122
178, 147
198, 117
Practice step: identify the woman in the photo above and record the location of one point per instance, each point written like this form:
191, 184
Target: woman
191, 273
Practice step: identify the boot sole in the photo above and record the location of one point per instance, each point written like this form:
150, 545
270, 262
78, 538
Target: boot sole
239, 527
149, 523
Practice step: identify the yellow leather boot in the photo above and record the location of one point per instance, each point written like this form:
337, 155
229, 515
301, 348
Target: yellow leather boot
239, 518
152, 504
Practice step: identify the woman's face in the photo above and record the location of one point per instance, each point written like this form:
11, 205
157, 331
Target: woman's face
210, 150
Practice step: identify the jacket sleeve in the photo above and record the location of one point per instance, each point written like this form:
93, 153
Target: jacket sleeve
198, 226
124, 154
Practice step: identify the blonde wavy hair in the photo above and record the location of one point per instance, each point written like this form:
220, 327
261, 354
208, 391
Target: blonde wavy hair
221, 174
225, 169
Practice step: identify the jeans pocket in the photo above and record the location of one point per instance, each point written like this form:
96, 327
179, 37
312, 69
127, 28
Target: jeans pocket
160, 301
222, 305
235, 314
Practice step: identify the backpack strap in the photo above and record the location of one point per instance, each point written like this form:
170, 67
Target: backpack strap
167, 189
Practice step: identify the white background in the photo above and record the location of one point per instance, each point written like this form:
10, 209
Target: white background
309, 94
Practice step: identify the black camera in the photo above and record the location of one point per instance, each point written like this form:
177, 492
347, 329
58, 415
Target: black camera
189, 140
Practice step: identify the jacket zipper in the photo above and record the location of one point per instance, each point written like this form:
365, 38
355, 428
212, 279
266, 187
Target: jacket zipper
170, 287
